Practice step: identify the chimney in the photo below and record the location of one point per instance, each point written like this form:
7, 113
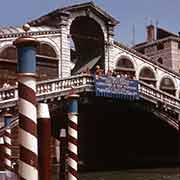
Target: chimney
150, 33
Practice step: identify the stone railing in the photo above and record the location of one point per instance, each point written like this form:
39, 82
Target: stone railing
61, 87
154, 95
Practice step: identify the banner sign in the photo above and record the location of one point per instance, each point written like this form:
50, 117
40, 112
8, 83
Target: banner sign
117, 87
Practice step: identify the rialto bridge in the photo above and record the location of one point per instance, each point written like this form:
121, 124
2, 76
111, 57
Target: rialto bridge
111, 132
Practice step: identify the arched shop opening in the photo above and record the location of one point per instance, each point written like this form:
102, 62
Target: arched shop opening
147, 75
167, 85
88, 39
124, 66
47, 62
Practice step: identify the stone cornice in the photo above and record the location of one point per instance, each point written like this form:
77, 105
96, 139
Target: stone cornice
31, 33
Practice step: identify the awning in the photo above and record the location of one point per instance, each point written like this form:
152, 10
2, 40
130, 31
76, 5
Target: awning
89, 65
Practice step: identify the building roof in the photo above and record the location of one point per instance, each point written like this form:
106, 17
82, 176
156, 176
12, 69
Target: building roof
6, 32
89, 5
161, 35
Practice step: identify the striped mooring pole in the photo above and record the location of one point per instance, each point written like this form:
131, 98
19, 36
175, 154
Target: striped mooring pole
44, 141
62, 165
7, 144
72, 136
26, 68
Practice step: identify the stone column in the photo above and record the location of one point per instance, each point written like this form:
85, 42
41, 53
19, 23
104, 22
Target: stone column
108, 47
64, 60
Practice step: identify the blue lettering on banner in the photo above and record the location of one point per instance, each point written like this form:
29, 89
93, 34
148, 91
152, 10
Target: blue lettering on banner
117, 87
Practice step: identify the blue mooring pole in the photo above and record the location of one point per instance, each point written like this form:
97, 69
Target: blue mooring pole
26, 68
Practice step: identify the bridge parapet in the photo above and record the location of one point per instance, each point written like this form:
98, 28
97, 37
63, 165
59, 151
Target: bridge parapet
60, 87
154, 95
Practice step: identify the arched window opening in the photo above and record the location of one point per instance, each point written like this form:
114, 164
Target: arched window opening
147, 75
46, 51
168, 86
124, 66
9, 53
47, 62
8, 59
160, 60
87, 38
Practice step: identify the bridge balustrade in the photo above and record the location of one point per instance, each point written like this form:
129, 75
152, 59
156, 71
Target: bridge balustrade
58, 86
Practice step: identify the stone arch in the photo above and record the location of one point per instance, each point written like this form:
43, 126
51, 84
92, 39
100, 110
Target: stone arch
88, 39
167, 84
47, 61
45, 49
50, 43
8, 52
125, 65
8, 56
148, 75
91, 15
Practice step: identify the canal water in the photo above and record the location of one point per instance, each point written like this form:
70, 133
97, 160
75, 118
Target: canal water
138, 174
131, 174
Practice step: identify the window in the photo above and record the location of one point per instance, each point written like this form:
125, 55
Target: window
160, 60
160, 46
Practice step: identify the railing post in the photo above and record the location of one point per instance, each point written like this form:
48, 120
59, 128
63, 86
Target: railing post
26, 68
44, 141
72, 136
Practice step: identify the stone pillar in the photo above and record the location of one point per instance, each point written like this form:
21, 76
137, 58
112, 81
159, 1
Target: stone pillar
44, 142
72, 136
26, 68
109, 48
64, 60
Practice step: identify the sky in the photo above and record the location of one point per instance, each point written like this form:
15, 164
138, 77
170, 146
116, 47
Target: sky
132, 14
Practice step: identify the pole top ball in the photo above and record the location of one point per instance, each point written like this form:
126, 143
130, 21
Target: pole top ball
26, 27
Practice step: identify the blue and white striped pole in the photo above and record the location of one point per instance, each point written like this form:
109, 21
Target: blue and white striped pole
72, 136
26, 68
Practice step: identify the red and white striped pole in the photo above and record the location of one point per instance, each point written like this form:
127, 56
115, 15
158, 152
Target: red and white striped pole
44, 141
1, 148
8, 145
62, 166
72, 136
26, 67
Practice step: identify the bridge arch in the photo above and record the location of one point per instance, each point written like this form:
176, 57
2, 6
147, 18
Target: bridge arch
147, 74
88, 38
124, 64
167, 84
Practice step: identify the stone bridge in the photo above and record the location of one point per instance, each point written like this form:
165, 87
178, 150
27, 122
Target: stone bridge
54, 90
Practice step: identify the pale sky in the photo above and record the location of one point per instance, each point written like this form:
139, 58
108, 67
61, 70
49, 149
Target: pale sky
137, 13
